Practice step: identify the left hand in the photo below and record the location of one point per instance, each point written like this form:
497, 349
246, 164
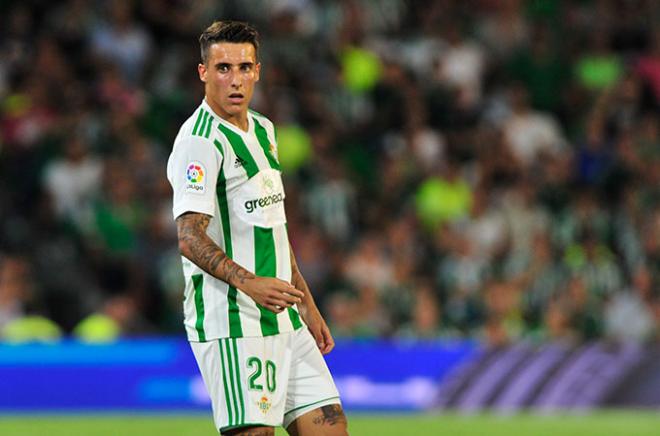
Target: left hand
318, 328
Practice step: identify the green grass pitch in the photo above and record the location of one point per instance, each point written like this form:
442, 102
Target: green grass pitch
609, 423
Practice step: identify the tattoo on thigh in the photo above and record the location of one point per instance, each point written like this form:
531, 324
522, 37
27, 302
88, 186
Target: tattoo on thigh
251, 431
331, 415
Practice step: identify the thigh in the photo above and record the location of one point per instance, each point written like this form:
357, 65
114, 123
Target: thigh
328, 420
250, 431
310, 384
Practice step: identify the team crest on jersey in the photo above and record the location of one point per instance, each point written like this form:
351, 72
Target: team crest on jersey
272, 150
195, 178
268, 185
264, 404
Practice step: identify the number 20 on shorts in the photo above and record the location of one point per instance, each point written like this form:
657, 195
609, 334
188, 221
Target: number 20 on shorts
254, 379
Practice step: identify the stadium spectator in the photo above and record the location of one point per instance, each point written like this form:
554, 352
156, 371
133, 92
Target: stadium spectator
438, 163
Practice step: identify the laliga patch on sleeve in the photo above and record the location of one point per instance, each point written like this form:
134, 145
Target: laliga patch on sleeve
195, 178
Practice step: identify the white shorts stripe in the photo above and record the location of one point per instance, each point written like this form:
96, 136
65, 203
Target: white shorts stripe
229, 404
238, 387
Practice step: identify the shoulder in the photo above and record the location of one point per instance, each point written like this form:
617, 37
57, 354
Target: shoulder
197, 131
200, 124
196, 142
265, 123
262, 119
259, 116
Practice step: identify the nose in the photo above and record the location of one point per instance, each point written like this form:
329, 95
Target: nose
235, 80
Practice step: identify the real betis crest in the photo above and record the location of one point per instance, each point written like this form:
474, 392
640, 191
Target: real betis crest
264, 404
273, 150
268, 185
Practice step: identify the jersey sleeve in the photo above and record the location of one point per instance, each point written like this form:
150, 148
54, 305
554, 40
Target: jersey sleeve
193, 170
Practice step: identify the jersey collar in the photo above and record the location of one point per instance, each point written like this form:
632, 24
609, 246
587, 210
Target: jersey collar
229, 125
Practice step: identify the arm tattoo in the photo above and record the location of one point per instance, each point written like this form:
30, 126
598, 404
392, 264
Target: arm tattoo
331, 415
197, 246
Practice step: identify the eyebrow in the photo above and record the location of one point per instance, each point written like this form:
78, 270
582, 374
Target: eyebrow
219, 64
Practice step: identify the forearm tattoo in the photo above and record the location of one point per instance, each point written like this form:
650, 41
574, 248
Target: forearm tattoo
330, 415
197, 246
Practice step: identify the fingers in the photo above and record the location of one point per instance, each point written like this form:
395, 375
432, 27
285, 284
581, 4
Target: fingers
276, 295
323, 338
286, 287
280, 301
328, 341
289, 299
318, 338
288, 293
275, 308
296, 292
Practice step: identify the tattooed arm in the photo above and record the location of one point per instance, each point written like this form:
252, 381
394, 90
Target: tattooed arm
309, 311
194, 244
298, 281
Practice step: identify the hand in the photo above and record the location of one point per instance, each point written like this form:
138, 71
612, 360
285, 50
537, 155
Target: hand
317, 327
273, 294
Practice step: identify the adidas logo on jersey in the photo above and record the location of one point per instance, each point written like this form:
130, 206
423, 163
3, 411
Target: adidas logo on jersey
239, 162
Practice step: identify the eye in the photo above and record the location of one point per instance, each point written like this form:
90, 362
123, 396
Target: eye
223, 68
246, 67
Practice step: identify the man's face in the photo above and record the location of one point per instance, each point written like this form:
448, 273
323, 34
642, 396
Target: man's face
230, 73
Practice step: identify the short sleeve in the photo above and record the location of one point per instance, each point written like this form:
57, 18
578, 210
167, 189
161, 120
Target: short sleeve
192, 170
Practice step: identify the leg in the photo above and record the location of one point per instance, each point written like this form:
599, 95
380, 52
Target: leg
325, 421
250, 431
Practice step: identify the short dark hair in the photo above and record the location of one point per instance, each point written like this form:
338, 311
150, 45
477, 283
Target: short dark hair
227, 31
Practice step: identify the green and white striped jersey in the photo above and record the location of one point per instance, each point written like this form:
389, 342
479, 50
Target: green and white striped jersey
217, 169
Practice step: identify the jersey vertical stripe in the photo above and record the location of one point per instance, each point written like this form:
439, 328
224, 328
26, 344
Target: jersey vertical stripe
241, 150
262, 137
198, 284
233, 316
266, 266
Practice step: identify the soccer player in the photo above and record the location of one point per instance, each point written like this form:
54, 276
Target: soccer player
254, 328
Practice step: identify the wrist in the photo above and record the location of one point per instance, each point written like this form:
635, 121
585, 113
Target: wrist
307, 304
245, 286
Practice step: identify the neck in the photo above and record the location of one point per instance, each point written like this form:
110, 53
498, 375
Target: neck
240, 119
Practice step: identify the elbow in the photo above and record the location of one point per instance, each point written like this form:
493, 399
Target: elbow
184, 248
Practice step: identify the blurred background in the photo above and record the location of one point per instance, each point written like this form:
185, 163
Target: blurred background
474, 180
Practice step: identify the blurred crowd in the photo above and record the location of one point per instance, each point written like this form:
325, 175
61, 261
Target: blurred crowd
486, 169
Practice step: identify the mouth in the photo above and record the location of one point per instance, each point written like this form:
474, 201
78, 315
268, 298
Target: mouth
236, 97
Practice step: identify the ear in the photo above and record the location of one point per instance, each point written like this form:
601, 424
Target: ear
257, 69
201, 69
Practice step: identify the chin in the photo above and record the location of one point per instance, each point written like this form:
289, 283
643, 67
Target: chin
234, 109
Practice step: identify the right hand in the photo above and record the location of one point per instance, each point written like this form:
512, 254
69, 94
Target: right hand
272, 293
